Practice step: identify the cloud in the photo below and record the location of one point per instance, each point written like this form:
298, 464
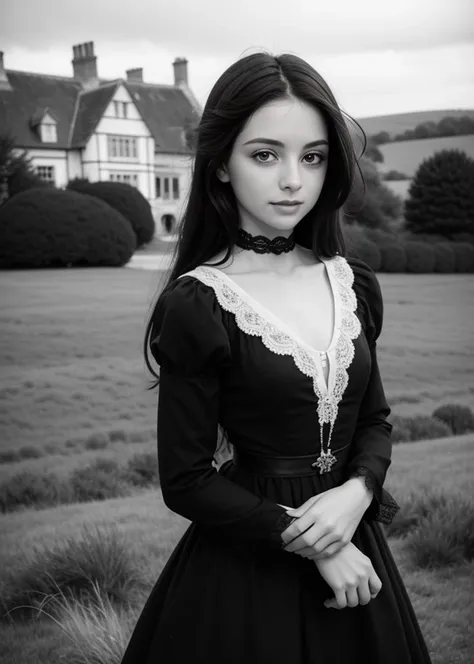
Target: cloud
208, 27
371, 53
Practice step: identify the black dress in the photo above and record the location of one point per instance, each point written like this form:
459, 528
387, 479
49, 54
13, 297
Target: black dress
229, 594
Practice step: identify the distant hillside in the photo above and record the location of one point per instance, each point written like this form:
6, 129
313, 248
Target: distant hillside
400, 122
406, 156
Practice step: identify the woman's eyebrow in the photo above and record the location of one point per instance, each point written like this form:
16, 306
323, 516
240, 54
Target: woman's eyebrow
272, 141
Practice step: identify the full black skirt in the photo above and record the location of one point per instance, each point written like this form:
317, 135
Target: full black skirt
226, 603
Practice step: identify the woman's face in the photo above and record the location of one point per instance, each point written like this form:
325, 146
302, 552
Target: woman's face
280, 155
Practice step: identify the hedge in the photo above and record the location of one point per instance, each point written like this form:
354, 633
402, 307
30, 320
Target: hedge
53, 228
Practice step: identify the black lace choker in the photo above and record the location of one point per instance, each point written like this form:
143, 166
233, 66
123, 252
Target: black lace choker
263, 245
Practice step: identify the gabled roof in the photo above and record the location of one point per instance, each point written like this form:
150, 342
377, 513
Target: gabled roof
91, 105
31, 92
165, 109
38, 117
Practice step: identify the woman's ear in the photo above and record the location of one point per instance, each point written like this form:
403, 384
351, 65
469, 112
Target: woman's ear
222, 174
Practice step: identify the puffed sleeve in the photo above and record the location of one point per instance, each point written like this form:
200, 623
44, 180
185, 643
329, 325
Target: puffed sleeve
190, 343
371, 444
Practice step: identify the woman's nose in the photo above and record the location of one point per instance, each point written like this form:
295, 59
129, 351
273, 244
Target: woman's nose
290, 177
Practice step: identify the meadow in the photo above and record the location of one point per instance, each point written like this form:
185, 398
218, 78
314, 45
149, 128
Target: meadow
73, 389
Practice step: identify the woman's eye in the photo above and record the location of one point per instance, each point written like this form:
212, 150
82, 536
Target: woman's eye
262, 156
314, 158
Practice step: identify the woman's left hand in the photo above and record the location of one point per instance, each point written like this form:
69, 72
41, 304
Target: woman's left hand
326, 523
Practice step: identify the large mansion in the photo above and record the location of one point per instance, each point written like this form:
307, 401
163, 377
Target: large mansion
124, 130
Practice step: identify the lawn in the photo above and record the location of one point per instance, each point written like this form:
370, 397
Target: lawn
72, 368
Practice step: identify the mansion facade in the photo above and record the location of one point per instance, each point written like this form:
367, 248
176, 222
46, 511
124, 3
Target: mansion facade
122, 130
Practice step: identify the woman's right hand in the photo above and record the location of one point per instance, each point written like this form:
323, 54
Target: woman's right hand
351, 576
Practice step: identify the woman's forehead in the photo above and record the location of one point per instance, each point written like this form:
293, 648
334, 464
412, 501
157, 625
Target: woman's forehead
286, 120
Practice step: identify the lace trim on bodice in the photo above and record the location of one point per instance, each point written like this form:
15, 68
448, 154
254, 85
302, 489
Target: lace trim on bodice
281, 342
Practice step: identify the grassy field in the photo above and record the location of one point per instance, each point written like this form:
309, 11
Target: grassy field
72, 368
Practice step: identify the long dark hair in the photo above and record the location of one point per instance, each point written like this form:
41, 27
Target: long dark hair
210, 221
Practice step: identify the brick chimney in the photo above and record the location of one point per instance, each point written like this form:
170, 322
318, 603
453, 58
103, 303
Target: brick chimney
84, 65
135, 74
4, 82
180, 66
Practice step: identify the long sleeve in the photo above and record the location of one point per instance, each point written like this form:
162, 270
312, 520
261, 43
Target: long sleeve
371, 444
190, 343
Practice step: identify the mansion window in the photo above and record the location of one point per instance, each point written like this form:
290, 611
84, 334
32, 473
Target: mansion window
167, 187
120, 109
128, 178
45, 173
122, 147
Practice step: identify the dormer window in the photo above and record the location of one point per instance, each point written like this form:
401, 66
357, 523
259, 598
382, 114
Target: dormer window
48, 133
44, 124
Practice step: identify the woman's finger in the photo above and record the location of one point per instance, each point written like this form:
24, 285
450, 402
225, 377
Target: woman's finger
375, 585
323, 543
308, 537
363, 592
341, 599
352, 597
298, 527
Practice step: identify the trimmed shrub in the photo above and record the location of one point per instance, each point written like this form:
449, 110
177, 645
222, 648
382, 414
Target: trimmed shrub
360, 246
53, 228
393, 258
420, 257
375, 205
441, 195
127, 200
460, 419
444, 257
100, 480
369, 253
444, 537
464, 257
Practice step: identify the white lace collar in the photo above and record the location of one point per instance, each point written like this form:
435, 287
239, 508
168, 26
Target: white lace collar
254, 319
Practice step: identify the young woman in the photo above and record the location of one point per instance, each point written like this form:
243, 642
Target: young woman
267, 332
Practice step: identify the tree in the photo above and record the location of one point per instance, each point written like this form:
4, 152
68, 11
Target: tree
380, 138
16, 168
372, 151
441, 195
371, 203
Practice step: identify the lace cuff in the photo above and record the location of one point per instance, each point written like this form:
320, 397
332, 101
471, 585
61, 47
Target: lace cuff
283, 522
383, 506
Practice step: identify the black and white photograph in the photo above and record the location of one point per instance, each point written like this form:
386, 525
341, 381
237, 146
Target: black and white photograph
236, 332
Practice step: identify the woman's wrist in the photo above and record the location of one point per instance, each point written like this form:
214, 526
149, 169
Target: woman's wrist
361, 490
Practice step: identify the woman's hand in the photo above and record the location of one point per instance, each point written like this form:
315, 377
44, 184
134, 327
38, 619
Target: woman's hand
325, 523
351, 576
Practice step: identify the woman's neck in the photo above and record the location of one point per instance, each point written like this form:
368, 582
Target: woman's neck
249, 261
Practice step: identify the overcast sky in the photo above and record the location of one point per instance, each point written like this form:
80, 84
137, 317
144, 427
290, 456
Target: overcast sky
378, 56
